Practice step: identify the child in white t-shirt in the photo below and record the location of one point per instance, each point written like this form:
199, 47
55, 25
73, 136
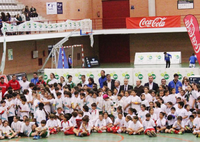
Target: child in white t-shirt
73, 118
42, 130
3, 111
118, 124
107, 104
178, 126
7, 131
58, 101
132, 112
142, 113
85, 128
135, 127
82, 101
149, 125
40, 114
67, 125
189, 124
153, 115
75, 100
10, 103
94, 114
108, 120
127, 122
161, 123
24, 108
148, 97
51, 124
100, 125
16, 125
135, 100
144, 101
67, 102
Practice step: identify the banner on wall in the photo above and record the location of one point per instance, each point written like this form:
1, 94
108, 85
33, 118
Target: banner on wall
54, 8
116, 73
159, 73
119, 74
192, 27
38, 26
156, 58
153, 22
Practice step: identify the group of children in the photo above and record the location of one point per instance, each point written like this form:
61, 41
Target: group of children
43, 110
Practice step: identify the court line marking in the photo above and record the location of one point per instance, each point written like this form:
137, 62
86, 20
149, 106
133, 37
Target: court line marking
122, 137
175, 138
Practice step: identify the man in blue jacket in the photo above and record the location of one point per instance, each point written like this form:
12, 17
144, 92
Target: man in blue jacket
192, 61
102, 79
175, 83
167, 59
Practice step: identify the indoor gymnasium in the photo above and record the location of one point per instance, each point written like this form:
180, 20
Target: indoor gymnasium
99, 70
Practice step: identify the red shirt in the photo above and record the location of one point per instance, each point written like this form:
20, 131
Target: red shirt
41, 82
14, 84
4, 87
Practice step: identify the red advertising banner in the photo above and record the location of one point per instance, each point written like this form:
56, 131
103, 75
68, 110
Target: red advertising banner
192, 27
153, 22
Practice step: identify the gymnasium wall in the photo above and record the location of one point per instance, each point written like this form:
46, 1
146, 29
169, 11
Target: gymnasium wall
160, 43
169, 7
140, 8
22, 55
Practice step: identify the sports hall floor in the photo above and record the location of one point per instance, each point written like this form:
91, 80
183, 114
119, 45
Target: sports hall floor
108, 137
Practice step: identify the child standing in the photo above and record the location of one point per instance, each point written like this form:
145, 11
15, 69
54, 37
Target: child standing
135, 100
67, 102
94, 114
142, 113
3, 111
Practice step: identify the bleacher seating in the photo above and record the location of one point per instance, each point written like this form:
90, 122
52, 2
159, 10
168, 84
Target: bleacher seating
14, 7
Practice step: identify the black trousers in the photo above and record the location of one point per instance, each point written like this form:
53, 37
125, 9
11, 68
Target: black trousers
10, 120
167, 64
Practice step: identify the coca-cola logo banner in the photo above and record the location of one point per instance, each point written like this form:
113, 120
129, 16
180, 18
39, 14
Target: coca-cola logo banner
192, 27
153, 22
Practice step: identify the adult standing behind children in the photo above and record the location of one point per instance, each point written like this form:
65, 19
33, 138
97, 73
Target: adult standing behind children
167, 59
152, 85
102, 79
14, 83
175, 83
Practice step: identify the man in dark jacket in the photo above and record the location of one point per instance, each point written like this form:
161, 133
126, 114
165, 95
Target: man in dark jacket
126, 87
151, 84
110, 83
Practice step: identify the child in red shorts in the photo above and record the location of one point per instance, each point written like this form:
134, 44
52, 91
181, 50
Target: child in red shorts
85, 128
67, 125
149, 125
